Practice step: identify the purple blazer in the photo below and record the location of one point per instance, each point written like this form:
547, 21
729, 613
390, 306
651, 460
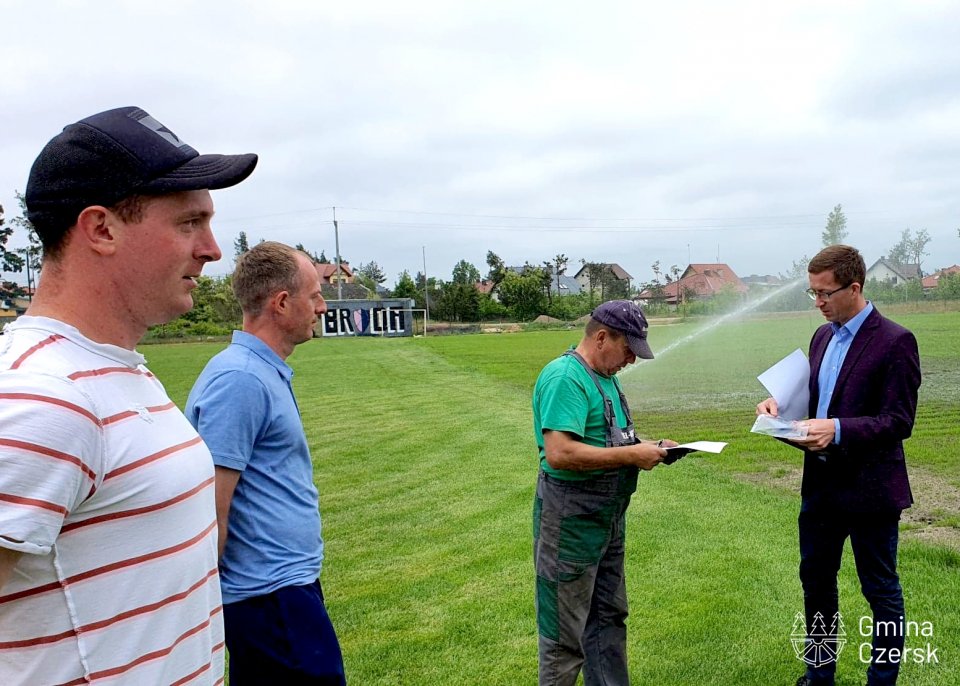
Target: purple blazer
875, 400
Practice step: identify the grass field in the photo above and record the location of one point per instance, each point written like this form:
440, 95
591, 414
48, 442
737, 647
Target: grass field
426, 466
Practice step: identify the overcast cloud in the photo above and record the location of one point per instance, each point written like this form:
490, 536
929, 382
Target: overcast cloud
621, 132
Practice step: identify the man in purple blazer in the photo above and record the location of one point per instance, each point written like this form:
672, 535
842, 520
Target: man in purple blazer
864, 377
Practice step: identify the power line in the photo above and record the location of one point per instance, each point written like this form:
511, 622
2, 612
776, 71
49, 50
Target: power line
592, 220
818, 216
569, 229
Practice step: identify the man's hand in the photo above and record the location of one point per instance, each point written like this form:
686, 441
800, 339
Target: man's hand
646, 456
768, 406
563, 450
820, 433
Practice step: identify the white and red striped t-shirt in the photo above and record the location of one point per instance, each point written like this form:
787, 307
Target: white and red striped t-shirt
108, 492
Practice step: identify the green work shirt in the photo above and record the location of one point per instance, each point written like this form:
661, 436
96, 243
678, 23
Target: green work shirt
565, 398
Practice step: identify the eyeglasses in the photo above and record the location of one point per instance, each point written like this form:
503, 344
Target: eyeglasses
825, 295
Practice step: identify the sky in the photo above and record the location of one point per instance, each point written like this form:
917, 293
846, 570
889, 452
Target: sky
628, 132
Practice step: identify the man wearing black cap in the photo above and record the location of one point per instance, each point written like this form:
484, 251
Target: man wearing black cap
108, 558
589, 462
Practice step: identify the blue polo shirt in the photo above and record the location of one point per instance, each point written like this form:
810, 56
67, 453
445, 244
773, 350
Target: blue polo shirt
243, 407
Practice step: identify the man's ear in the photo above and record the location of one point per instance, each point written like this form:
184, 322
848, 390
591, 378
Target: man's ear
97, 228
601, 337
279, 302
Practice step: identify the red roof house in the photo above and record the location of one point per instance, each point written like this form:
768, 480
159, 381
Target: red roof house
932, 280
702, 281
328, 272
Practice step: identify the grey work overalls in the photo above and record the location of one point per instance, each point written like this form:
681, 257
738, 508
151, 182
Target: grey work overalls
581, 597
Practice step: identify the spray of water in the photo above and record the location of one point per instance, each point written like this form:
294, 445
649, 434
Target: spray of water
719, 321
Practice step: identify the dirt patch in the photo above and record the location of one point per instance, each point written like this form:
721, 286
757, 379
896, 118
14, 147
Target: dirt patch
946, 536
777, 478
932, 519
935, 515
502, 328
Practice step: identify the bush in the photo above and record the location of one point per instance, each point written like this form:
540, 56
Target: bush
886, 292
948, 288
208, 329
490, 309
175, 329
569, 307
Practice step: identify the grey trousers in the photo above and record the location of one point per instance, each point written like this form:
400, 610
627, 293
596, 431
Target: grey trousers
581, 598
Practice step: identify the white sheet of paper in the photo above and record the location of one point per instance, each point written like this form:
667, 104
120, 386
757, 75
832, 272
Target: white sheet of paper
788, 381
705, 446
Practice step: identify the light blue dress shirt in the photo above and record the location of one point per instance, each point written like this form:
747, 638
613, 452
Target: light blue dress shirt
833, 359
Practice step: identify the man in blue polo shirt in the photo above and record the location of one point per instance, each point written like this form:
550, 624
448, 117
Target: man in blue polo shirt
277, 628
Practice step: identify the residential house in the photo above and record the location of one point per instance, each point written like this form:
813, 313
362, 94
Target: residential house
582, 277
700, 281
892, 272
10, 309
327, 271
568, 285
486, 287
12, 306
931, 282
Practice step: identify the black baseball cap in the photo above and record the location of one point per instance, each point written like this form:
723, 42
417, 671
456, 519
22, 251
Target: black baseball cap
112, 155
626, 317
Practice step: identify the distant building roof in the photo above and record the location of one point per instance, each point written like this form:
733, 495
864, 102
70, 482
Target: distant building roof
484, 285
905, 272
326, 270
933, 280
704, 280
615, 268
911, 271
568, 285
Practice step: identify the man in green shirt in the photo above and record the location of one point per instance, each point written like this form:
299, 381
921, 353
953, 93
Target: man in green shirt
589, 462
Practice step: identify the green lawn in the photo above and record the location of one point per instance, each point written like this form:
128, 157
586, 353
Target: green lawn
426, 465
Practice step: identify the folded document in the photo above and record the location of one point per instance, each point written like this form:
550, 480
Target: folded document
675, 453
779, 427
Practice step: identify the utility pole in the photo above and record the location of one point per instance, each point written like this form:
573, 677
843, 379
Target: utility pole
27, 256
426, 292
336, 237
29, 275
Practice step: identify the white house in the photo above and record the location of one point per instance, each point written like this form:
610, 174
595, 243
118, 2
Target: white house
893, 273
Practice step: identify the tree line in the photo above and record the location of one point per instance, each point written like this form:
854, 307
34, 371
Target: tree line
19, 260
518, 293
504, 293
